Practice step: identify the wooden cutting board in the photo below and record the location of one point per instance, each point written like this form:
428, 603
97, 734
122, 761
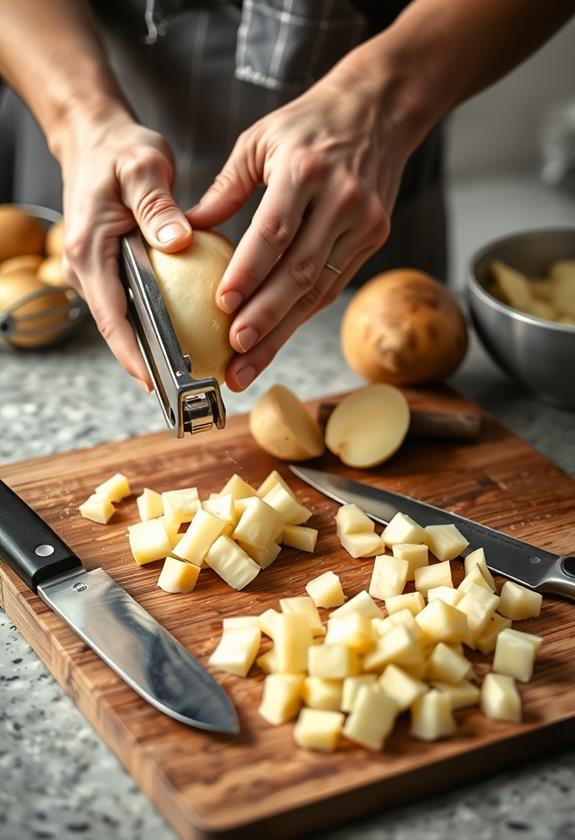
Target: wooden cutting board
259, 783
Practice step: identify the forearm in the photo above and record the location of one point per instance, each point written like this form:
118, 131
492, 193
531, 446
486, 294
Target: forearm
440, 52
51, 54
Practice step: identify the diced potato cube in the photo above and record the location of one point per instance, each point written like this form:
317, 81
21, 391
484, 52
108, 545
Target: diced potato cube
178, 576
97, 509
259, 524
399, 646
416, 556
403, 529
362, 602
362, 545
431, 716
319, 693
473, 577
237, 488
181, 505
282, 697
333, 662
172, 527
500, 699
303, 605
223, 508
479, 604
264, 557
477, 558
402, 687
429, 577
461, 694
299, 537
267, 662
236, 650
149, 541
403, 616
512, 286
202, 532
444, 593
445, 541
236, 622
412, 601
486, 640
388, 577
515, 654
351, 686
447, 665
371, 719
349, 519
267, 621
440, 622
326, 590
353, 630
289, 509
517, 602
231, 563
114, 489
150, 505
292, 639
317, 729
273, 478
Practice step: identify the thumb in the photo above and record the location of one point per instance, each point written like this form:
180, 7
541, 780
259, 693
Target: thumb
146, 189
232, 187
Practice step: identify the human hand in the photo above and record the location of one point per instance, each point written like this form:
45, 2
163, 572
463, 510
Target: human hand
116, 174
331, 161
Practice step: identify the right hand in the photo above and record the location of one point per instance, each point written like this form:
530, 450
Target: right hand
116, 174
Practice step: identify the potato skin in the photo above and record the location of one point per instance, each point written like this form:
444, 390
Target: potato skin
403, 328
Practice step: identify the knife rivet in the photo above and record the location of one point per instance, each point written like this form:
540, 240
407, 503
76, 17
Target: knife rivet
535, 560
44, 550
79, 587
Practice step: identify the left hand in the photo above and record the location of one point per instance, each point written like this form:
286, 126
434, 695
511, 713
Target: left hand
331, 161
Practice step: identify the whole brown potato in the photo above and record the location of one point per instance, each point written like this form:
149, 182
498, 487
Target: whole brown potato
404, 328
20, 234
13, 289
50, 271
55, 239
29, 262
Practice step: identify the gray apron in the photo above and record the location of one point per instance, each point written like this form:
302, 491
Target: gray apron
201, 71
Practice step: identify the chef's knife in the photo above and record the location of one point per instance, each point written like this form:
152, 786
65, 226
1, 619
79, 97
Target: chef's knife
533, 567
116, 627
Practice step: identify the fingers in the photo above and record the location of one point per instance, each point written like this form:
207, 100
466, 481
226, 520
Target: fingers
145, 178
231, 188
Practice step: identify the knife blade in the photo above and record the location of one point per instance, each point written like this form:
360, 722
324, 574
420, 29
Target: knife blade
148, 658
533, 567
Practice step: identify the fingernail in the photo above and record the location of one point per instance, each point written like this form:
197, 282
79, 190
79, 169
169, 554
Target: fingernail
245, 376
174, 230
246, 338
231, 301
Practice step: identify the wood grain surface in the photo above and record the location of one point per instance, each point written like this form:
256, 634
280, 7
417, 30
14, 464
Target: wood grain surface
260, 783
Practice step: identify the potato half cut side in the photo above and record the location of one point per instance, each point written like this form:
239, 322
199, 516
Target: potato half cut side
368, 426
281, 424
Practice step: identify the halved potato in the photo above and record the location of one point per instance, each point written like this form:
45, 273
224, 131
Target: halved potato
368, 426
281, 424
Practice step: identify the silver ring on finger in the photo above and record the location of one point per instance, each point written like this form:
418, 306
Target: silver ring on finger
333, 268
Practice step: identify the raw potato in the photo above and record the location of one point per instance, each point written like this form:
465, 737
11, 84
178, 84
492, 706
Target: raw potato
402, 687
270, 481
292, 640
55, 239
203, 531
237, 488
362, 545
20, 234
515, 654
51, 272
445, 593
296, 536
317, 729
412, 601
517, 602
388, 577
181, 505
403, 328
115, 488
150, 504
326, 590
188, 281
236, 651
477, 558
290, 510
231, 563
500, 699
333, 662
16, 287
416, 556
177, 576
282, 697
431, 716
259, 524
264, 557
551, 298
368, 426
149, 541
26, 263
97, 509
372, 718
349, 519
322, 694
362, 603
399, 647
441, 622
353, 630
428, 577
445, 541
304, 605
283, 426
351, 686
487, 640
403, 529
461, 694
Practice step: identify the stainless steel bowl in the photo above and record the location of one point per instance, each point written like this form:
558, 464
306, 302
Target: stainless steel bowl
538, 354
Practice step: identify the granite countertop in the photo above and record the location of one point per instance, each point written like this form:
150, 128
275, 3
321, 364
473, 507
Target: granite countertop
58, 779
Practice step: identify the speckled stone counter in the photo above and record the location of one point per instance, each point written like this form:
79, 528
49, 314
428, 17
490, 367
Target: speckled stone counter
57, 779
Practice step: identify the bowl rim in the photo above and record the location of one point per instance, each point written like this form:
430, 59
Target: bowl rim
47, 214
499, 306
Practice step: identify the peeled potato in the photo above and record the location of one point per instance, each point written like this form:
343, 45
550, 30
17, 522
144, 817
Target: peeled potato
27, 262
403, 327
50, 271
55, 239
188, 281
368, 426
15, 287
20, 234
283, 426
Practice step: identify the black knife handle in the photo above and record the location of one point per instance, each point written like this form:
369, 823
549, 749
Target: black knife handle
28, 545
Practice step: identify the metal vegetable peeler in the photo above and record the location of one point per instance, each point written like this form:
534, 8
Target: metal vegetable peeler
189, 405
